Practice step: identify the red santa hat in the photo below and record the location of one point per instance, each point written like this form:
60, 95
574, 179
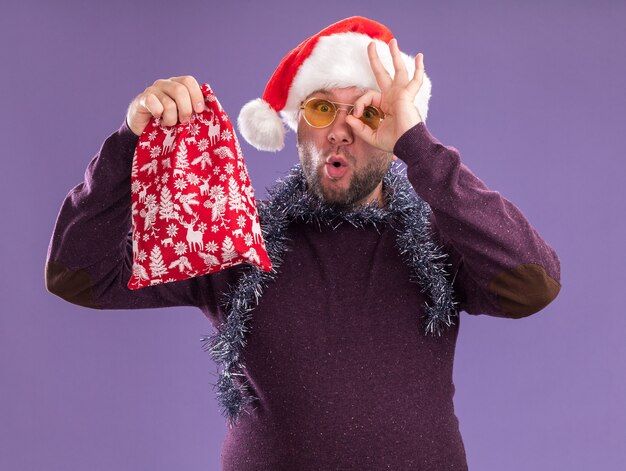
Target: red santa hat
336, 57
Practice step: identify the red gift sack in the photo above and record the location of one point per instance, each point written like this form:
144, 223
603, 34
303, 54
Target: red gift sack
193, 207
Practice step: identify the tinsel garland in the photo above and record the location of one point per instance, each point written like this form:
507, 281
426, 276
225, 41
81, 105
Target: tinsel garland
288, 200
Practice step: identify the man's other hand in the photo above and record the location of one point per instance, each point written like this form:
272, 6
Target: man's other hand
395, 99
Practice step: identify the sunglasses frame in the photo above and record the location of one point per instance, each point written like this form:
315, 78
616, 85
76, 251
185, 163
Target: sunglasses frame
350, 109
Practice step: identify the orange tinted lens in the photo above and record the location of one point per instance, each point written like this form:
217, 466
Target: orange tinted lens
371, 116
319, 112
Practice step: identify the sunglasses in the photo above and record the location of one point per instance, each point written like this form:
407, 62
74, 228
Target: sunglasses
320, 113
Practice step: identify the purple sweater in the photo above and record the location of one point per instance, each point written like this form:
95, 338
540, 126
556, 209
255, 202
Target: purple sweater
345, 376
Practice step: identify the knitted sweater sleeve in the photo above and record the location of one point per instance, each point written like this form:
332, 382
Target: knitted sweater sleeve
500, 264
89, 260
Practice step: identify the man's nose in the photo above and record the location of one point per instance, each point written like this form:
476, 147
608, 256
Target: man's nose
340, 131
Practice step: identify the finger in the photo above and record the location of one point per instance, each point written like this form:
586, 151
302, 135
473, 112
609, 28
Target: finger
166, 108
361, 129
371, 97
195, 92
180, 94
418, 77
383, 79
150, 102
398, 62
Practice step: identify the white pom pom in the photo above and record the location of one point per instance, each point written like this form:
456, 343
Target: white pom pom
260, 125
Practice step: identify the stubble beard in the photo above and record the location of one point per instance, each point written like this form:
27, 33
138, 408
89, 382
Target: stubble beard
362, 182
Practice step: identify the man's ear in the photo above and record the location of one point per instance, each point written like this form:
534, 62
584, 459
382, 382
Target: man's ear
393, 157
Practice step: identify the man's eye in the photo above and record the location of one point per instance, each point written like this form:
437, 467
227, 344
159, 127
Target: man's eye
323, 107
369, 113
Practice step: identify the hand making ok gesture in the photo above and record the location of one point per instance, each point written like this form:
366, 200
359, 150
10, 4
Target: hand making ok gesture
396, 99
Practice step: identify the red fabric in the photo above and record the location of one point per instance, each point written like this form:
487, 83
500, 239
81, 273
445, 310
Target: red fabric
278, 86
193, 207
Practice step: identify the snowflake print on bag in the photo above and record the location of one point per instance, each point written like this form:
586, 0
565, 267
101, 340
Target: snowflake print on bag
191, 217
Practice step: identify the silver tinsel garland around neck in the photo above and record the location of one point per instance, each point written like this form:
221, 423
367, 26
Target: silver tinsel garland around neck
289, 200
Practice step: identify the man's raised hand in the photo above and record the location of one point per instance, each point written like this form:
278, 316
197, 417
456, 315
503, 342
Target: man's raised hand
396, 99
173, 100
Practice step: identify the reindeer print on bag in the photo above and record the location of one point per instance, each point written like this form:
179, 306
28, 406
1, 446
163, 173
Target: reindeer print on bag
193, 208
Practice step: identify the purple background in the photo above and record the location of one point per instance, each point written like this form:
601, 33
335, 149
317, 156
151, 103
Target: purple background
532, 95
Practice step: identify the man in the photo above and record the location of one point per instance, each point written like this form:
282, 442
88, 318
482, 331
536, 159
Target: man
341, 358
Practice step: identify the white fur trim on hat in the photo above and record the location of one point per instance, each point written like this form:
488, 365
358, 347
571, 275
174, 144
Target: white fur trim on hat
261, 126
341, 61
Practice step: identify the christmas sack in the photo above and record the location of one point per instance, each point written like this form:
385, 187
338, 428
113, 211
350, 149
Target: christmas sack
193, 207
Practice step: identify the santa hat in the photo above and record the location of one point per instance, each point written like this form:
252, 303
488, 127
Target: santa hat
336, 57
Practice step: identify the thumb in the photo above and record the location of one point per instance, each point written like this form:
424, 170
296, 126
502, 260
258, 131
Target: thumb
361, 129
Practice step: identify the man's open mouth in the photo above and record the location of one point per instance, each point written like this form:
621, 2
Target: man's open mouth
336, 166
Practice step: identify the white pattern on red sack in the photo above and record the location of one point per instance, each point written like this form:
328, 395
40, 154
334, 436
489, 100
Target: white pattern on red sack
193, 207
